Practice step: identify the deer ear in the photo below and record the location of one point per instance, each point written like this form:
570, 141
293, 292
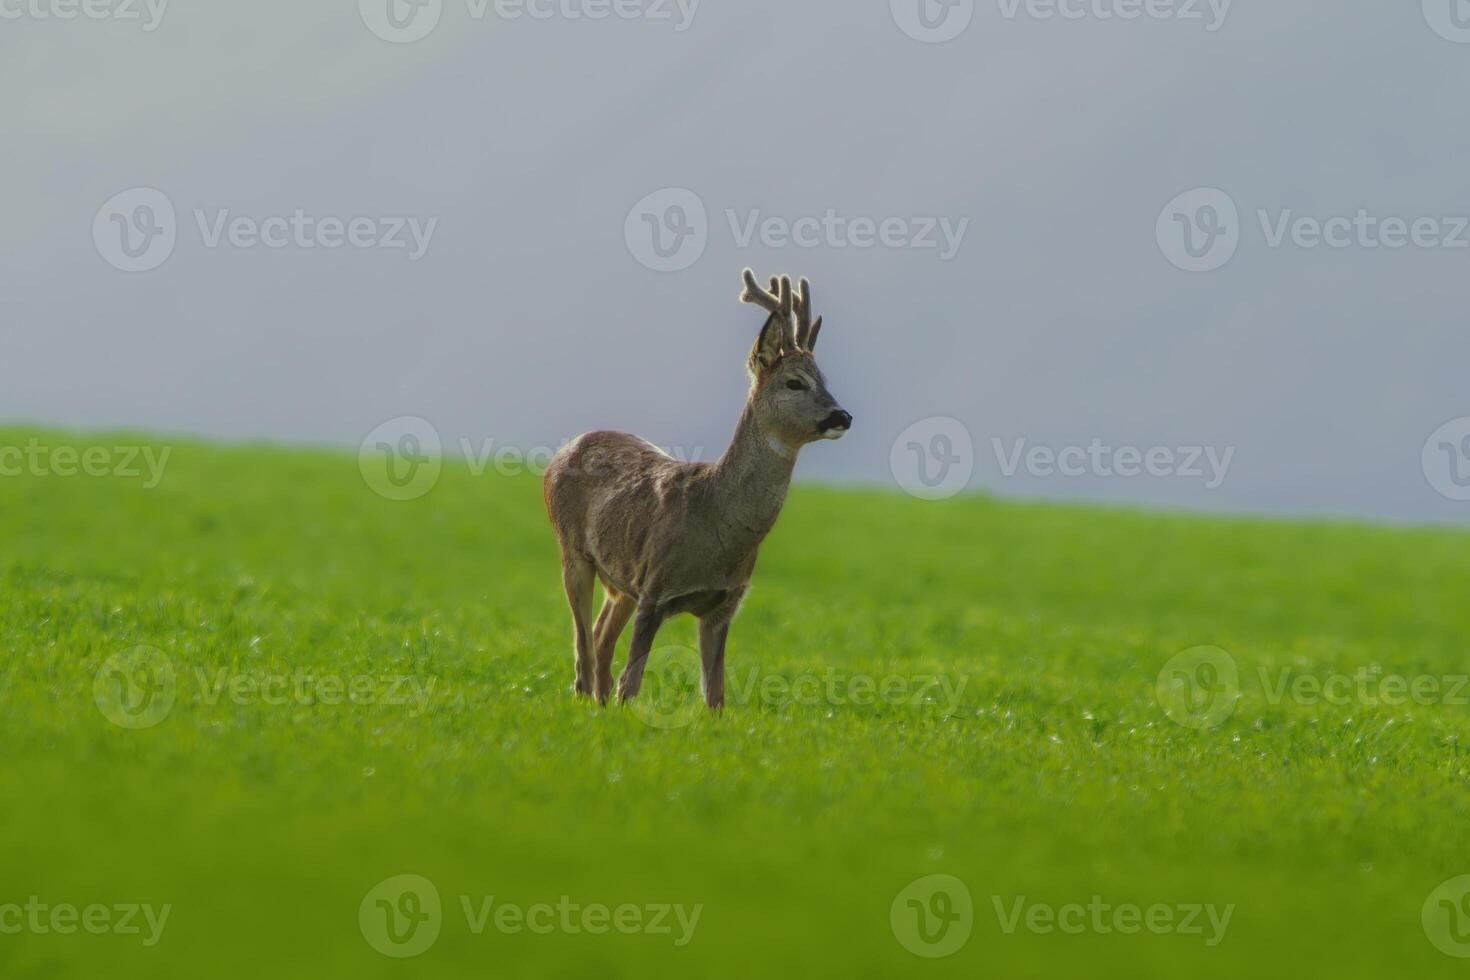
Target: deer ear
767, 349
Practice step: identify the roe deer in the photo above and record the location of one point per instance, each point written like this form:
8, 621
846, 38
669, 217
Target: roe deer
666, 537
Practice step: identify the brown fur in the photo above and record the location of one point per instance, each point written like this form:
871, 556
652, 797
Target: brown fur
666, 537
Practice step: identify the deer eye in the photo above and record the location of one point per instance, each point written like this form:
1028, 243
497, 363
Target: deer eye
795, 385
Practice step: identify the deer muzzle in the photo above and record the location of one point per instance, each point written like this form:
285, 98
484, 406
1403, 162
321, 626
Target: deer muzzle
834, 425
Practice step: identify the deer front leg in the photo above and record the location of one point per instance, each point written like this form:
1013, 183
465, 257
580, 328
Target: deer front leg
646, 622
714, 629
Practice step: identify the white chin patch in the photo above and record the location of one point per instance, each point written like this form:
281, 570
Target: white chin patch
834, 433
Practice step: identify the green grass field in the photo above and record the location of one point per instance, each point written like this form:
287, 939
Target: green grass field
358, 688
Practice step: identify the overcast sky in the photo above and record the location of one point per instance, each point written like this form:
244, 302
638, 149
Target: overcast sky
1058, 255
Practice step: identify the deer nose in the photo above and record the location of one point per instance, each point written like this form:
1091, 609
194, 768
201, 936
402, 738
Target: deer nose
837, 420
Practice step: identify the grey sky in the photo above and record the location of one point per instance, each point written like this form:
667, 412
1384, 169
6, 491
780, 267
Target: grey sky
1058, 320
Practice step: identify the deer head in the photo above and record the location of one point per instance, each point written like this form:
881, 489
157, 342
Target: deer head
788, 394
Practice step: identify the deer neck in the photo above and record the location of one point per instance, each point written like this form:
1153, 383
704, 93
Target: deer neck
752, 478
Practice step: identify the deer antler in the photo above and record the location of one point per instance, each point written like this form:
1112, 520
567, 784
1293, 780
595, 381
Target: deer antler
806, 330
777, 302
754, 294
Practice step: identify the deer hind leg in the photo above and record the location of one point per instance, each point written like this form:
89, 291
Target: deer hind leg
616, 610
578, 577
645, 627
